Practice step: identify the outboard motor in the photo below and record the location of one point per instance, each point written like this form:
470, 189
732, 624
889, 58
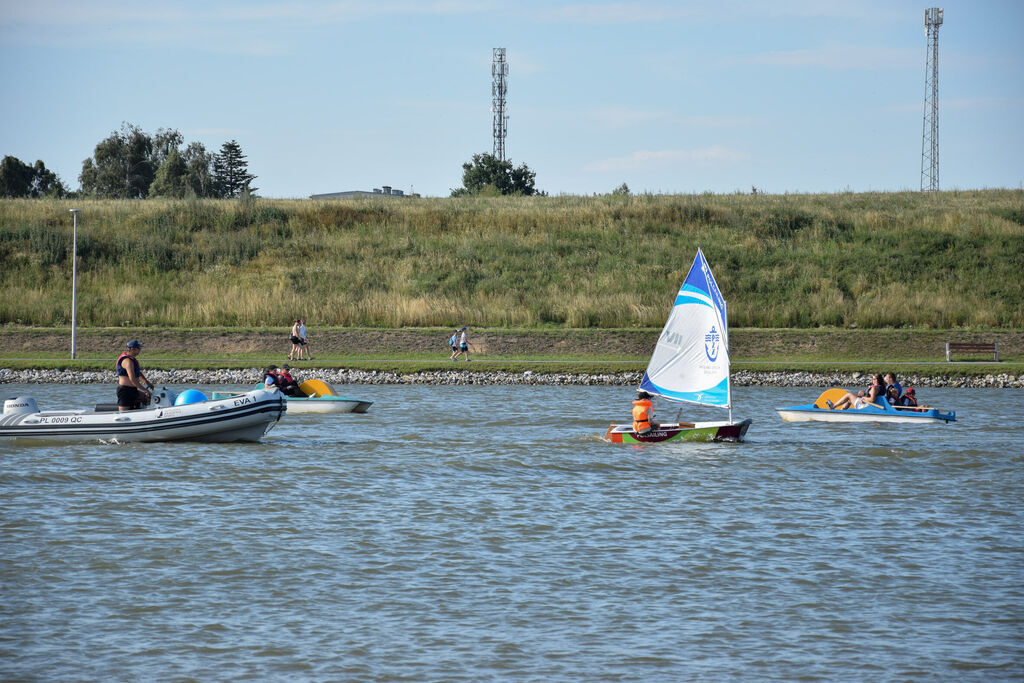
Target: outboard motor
163, 397
20, 405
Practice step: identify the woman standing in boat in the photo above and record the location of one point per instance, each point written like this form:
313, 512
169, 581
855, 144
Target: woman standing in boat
131, 383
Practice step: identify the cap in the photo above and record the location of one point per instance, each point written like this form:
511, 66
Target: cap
463, 327
910, 390
134, 344
286, 367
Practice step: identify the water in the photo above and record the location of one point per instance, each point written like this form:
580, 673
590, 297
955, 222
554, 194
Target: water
482, 533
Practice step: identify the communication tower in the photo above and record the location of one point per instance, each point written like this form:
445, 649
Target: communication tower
930, 130
499, 70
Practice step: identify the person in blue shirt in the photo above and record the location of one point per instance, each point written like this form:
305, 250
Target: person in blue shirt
893, 389
270, 378
453, 342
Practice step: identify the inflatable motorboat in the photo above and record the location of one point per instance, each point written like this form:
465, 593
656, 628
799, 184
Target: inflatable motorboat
170, 417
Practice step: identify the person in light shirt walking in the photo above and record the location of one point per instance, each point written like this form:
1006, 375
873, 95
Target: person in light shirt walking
304, 346
463, 344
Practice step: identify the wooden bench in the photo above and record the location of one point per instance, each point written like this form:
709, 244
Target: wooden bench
971, 348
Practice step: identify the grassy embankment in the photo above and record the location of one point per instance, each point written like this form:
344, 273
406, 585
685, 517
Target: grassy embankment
896, 261
945, 260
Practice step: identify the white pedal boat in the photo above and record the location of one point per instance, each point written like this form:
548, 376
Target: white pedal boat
321, 399
244, 417
869, 412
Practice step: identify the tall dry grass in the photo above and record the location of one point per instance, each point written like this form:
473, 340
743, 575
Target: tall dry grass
951, 259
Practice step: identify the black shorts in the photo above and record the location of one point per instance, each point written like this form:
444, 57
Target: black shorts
128, 397
295, 340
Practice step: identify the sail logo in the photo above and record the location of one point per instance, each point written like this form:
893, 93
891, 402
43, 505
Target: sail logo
674, 338
711, 344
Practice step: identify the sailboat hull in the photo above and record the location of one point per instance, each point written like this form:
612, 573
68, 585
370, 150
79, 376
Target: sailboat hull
686, 431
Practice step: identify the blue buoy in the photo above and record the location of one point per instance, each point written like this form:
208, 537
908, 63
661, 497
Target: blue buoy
189, 396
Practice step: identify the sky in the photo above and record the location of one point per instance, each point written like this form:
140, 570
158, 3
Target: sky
788, 96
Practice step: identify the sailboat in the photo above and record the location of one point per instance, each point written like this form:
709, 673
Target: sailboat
690, 364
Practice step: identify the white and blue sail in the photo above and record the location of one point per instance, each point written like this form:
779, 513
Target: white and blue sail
690, 363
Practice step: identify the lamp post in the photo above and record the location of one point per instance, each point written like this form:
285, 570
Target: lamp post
74, 280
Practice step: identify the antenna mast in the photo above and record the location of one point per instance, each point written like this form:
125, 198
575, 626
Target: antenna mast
930, 129
499, 70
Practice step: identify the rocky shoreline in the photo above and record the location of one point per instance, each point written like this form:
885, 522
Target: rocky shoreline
466, 377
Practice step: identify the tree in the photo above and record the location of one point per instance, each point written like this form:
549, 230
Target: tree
621, 190
15, 177
122, 166
187, 173
164, 141
18, 179
171, 178
199, 170
486, 173
231, 174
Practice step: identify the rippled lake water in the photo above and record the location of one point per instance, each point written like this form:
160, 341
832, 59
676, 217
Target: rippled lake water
474, 533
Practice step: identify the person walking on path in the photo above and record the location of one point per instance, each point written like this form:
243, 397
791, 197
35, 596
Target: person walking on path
304, 345
463, 344
296, 341
131, 383
453, 342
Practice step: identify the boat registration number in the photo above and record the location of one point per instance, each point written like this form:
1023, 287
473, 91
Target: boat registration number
60, 420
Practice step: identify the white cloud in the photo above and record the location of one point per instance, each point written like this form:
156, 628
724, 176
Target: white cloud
626, 117
961, 103
648, 159
722, 10
616, 12
869, 57
220, 132
237, 27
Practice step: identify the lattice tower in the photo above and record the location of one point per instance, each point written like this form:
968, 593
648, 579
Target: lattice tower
499, 88
930, 128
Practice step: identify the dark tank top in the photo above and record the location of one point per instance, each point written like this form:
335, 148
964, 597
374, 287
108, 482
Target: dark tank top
121, 372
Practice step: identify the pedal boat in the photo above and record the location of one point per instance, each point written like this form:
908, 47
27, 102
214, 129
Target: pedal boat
245, 417
321, 399
869, 412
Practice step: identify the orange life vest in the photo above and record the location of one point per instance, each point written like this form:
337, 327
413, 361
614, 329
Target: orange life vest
642, 408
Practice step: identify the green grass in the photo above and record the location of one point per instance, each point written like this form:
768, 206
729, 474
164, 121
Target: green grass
514, 350
874, 260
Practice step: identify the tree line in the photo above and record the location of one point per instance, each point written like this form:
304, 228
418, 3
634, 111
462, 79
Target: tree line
132, 164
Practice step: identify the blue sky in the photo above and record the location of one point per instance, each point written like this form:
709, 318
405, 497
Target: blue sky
668, 97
